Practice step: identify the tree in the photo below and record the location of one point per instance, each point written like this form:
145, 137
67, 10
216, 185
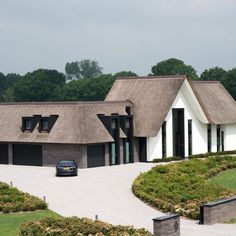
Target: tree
6, 82
124, 74
83, 69
230, 82
215, 73
40, 85
174, 66
88, 89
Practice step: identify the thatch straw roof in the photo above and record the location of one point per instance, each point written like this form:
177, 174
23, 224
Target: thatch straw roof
77, 122
216, 102
152, 98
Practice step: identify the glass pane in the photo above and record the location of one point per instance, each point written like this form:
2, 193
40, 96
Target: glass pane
127, 153
45, 124
27, 124
113, 153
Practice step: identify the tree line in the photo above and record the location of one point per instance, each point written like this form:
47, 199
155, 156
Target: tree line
85, 81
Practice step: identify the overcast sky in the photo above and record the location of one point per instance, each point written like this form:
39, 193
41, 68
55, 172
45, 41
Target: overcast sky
119, 34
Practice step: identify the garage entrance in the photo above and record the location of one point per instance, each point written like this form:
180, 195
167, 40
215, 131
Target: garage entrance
96, 155
30, 155
3, 153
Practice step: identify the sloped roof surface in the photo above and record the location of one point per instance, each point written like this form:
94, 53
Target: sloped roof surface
216, 102
77, 122
152, 98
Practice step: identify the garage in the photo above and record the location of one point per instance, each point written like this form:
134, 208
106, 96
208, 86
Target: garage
30, 155
3, 154
96, 155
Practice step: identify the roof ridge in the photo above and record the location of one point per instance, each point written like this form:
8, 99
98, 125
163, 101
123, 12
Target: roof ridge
154, 77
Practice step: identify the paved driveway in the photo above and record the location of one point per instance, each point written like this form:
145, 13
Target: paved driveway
103, 191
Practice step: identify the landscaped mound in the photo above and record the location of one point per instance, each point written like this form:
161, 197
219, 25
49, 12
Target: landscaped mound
76, 226
183, 187
13, 200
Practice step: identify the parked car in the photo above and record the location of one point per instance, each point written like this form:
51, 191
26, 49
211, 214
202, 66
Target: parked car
66, 167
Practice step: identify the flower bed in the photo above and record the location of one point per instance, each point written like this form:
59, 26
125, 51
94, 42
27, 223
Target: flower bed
13, 200
73, 226
183, 186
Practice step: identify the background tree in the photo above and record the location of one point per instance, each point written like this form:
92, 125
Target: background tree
215, 73
229, 82
174, 66
124, 74
83, 69
40, 85
88, 89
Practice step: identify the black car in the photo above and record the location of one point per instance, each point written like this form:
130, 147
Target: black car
66, 167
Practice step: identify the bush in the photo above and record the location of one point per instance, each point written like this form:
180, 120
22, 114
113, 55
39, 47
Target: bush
183, 186
167, 159
13, 200
209, 154
77, 226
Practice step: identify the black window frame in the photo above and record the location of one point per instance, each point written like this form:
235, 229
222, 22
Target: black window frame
163, 133
190, 137
209, 138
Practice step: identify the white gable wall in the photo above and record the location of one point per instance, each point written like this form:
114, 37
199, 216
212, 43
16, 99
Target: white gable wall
230, 137
199, 130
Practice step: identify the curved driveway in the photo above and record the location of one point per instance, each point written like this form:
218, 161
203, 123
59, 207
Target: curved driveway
104, 191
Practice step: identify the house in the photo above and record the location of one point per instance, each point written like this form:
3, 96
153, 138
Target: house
142, 118
174, 116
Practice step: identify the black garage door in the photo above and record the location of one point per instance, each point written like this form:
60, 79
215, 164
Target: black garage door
30, 155
3, 153
95, 154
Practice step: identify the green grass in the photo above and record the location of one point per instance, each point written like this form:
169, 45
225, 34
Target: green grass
226, 179
232, 221
10, 223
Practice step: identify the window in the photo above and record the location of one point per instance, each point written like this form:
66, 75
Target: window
27, 124
127, 152
222, 140
218, 137
45, 124
190, 141
113, 153
113, 124
164, 139
209, 137
127, 123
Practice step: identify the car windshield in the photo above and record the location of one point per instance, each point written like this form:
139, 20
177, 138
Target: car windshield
66, 163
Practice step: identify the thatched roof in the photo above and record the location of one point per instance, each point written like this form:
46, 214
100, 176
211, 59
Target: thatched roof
152, 98
77, 122
216, 102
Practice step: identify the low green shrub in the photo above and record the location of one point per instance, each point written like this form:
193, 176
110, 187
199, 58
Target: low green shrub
74, 226
209, 154
183, 186
167, 159
13, 200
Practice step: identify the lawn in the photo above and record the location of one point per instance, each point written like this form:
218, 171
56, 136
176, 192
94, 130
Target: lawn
10, 223
183, 187
226, 179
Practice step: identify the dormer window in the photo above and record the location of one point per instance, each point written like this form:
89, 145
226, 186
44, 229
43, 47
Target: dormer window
127, 123
27, 124
113, 124
45, 124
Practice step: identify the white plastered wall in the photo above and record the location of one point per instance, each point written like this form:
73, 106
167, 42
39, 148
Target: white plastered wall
192, 111
230, 137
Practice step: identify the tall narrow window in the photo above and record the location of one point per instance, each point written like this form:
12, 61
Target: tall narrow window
127, 151
190, 142
113, 154
218, 137
164, 139
222, 140
209, 138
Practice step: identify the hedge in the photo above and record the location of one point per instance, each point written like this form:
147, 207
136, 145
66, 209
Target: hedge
202, 155
73, 226
13, 200
183, 186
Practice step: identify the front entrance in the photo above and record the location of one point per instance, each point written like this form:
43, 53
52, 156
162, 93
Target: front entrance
178, 133
142, 149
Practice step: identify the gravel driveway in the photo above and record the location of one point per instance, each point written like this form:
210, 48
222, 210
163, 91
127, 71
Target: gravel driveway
104, 191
